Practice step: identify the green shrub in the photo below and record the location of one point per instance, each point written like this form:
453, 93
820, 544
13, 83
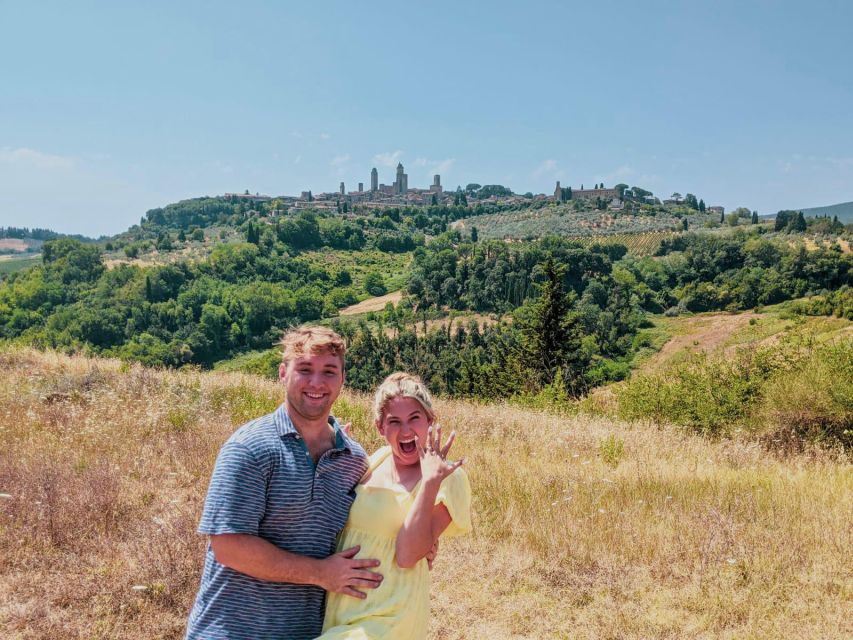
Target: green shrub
814, 402
794, 387
611, 450
709, 395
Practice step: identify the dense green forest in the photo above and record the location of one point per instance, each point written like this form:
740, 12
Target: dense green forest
567, 315
599, 295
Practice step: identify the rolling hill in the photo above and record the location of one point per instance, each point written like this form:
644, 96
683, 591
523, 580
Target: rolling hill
843, 210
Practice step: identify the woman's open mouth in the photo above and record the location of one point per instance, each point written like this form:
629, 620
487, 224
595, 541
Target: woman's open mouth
409, 446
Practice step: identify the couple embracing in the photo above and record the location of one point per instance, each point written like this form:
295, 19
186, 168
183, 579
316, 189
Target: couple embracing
310, 537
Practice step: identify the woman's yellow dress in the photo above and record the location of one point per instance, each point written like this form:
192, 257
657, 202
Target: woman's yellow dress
399, 608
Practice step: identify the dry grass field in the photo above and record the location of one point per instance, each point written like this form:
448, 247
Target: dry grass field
584, 527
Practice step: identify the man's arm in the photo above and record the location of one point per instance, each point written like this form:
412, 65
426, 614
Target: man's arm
256, 557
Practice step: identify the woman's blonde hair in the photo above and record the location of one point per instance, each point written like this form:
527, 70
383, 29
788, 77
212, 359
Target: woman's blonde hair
401, 385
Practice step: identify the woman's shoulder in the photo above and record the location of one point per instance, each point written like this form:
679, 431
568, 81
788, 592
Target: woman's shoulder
374, 461
377, 458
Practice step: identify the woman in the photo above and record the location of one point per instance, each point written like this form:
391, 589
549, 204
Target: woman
409, 497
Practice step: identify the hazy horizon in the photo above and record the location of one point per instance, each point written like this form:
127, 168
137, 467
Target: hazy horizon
108, 111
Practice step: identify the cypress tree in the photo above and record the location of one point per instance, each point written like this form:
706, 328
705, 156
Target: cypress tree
551, 339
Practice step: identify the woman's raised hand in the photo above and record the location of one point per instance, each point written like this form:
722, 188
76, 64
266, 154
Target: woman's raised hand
434, 463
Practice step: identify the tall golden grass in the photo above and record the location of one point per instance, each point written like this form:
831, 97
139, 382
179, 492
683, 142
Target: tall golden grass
584, 527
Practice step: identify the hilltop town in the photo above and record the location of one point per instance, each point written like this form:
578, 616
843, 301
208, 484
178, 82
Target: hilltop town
398, 193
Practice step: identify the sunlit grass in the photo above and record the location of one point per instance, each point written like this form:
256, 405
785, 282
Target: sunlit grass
584, 527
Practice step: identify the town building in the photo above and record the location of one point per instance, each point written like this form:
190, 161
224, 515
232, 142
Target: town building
401, 184
586, 194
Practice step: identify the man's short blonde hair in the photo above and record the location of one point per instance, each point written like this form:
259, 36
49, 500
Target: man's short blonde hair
311, 340
401, 385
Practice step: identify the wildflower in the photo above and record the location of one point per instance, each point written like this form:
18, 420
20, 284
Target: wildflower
139, 587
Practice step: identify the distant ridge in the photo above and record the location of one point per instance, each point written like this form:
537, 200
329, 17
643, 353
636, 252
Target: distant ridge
844, 211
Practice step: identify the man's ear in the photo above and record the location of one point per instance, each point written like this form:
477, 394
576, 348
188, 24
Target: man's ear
282, 371
380, 428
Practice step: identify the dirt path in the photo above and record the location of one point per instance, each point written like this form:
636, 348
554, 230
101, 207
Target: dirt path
701, 333
372, 304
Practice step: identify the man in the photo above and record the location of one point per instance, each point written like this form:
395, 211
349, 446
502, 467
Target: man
280, 493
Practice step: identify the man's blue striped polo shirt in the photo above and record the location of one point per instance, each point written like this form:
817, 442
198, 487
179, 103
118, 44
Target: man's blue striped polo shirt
266, 484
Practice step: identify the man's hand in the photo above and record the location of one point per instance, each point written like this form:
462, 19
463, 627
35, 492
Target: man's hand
343, 573
431, 555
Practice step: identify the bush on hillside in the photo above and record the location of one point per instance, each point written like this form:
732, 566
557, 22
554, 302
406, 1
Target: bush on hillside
710, 395
814, 402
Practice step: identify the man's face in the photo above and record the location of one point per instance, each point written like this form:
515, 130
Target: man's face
313, 383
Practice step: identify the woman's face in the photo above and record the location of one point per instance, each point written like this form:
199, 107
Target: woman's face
402, 420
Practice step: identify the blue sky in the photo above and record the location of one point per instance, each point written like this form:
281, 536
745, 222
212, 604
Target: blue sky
109, 109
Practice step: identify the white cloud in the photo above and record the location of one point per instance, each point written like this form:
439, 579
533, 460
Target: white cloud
339, 161
444, 166
25, 157
297, 159
325, 136
388, 159
547, 168
435, 166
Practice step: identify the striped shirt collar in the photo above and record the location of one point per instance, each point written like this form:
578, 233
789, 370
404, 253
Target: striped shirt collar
285, 427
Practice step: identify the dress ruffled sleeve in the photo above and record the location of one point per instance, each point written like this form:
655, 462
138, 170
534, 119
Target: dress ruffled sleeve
455, 494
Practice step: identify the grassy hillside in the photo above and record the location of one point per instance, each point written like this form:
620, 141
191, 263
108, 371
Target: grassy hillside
584, 527
12, 263
844, 211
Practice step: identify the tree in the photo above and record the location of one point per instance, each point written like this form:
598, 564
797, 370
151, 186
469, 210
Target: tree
691, 201
701, 206
722, 217
684, 223
164, 242
310, 196
677, 197
474, 234
552, 335
754, 217
253, 235
374, 284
